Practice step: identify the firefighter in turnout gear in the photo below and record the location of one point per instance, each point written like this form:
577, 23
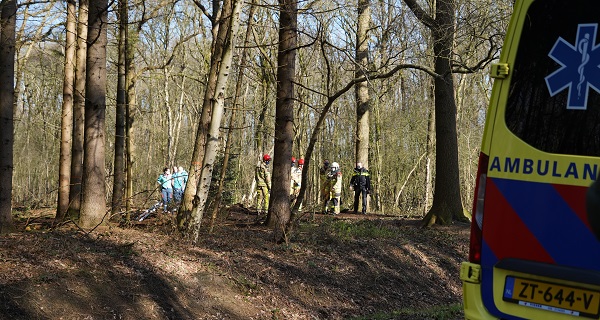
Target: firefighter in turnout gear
296, 180
335, 191
361, 184
263, 184
324, 190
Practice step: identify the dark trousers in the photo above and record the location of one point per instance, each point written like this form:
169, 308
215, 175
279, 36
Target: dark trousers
357, 194
177, 194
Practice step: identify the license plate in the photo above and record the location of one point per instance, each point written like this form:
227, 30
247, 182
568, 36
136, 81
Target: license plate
552, 297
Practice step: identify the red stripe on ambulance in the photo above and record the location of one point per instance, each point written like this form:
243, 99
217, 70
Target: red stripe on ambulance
518, 242
574, 196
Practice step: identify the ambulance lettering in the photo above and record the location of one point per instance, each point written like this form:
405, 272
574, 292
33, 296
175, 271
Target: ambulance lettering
572, 170
579, 69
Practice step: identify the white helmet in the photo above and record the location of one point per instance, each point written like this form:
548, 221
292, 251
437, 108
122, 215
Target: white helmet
335, 165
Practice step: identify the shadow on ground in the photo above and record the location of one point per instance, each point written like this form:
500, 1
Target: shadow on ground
325, 272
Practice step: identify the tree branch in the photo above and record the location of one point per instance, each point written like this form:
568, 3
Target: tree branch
425, 18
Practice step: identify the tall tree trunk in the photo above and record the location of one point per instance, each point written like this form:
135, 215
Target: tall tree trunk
119, 165
261, 132
184, 215
93, 204
66, 125
225, 39
284, 119
429, 151
8, 18
379, 206
362, 88
179, 113
170, 154
78, 112
233, 118
131, 42
447, 204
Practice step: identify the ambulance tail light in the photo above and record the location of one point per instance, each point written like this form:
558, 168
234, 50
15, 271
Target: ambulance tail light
477, 213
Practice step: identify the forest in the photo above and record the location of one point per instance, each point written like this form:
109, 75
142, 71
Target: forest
97, 97
401, 86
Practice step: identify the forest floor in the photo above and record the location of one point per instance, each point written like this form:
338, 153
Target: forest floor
348, 266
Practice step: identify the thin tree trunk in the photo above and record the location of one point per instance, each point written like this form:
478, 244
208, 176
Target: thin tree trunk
362, 88
279, 207
131, 42
408, 178
66, 132
8, 17
93, 204
170, 160
119, 165
429, 150
379, 163
179, 115
22, 60
261, 128
79, 112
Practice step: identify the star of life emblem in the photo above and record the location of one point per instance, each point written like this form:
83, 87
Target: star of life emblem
580, 67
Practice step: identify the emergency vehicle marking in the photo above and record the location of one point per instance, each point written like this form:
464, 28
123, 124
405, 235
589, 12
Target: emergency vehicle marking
579, 69
510, 204
587, 171
521, 242
575, 198
487, 283
561, 233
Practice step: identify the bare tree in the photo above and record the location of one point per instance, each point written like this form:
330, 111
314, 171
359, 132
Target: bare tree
93, 204
66, 132
233, 117
447, 203
279, 206
8, 18
399, 106
78, 111
184, 215
225, 39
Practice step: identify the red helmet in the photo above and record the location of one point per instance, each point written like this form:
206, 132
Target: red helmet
293, 159
301, 162
266, 157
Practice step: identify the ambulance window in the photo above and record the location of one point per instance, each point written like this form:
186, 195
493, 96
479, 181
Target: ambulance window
532, 113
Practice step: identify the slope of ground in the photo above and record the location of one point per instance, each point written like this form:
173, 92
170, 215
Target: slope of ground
343, 267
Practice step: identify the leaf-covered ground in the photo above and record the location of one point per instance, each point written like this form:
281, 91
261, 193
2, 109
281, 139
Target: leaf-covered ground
343, 267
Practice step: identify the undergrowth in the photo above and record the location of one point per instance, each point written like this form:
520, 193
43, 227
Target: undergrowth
344, 230
450, 312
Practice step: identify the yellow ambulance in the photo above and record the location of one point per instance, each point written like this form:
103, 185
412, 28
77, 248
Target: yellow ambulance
533, 252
